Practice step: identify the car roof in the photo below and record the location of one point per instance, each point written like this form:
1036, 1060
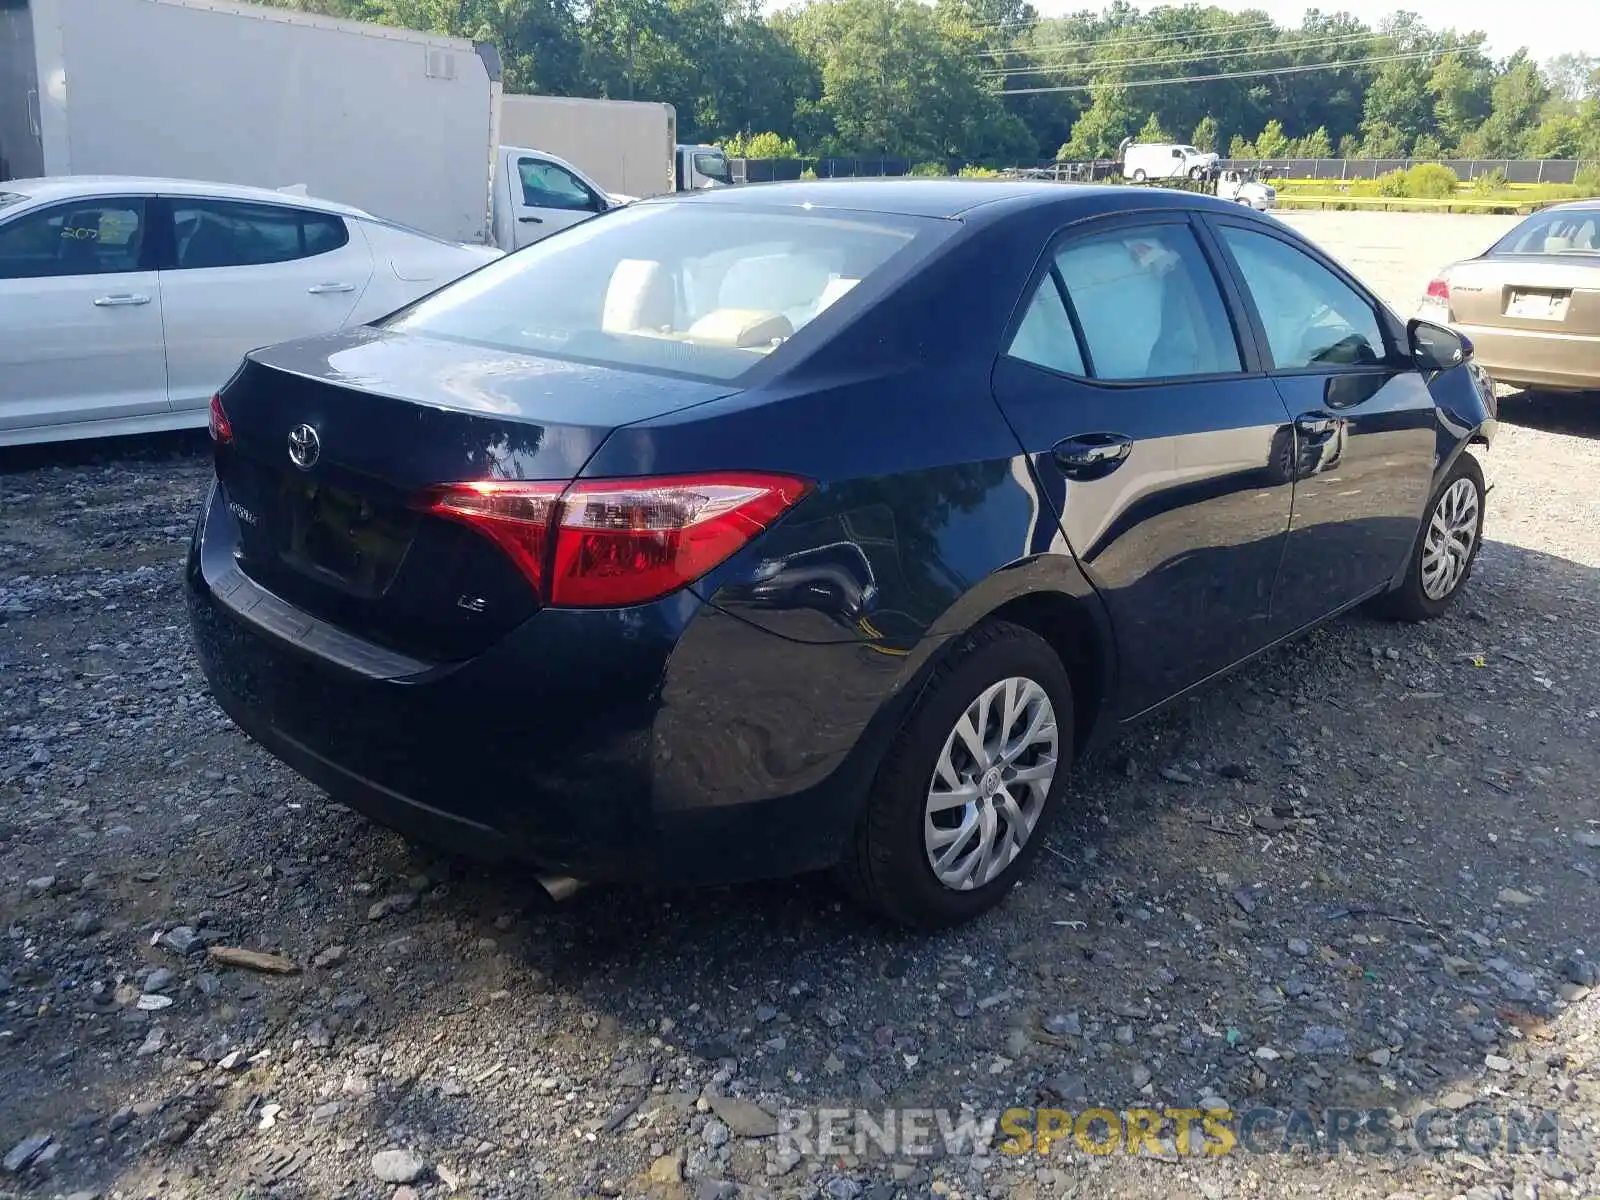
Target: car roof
952, 199
70, 187
1589, 205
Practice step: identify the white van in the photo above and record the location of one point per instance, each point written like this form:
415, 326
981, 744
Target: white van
1165, 161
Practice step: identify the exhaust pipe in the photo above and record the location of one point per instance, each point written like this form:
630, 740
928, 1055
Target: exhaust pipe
559, 887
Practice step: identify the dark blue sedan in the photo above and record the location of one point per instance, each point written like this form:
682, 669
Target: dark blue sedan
816, 525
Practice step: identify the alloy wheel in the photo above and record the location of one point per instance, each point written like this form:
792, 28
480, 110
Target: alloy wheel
990, 783
1452, 534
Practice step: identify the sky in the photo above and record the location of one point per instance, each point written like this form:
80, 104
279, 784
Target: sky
1545, 27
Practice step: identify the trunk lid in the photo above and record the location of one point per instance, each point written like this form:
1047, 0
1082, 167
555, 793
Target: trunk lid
326, 518
1527, 292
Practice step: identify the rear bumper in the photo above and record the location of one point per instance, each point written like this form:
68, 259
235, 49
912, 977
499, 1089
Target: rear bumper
1536, 358
671, 743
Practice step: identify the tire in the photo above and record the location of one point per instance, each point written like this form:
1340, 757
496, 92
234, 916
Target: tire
1419, 598
1139, 175
1197, 173
889, 868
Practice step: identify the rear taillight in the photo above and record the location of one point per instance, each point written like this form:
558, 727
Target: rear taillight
221, 427
515, 516
1439, 290
612, 543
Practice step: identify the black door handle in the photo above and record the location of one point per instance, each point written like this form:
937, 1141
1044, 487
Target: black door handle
531, 220
1315, 424
1091, 455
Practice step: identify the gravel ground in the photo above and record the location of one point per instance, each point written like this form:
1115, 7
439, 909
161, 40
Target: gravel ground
1359, 873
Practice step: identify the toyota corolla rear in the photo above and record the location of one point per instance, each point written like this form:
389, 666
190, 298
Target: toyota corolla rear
405, 583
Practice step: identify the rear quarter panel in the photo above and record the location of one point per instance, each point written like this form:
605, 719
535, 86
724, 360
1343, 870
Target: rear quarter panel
894, 419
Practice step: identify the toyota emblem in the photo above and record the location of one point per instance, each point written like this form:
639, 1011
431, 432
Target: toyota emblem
304, 447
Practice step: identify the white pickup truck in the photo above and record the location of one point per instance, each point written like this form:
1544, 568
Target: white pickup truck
536, 194
1247, 187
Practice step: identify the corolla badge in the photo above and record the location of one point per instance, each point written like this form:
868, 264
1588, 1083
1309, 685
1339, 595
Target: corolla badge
305, 447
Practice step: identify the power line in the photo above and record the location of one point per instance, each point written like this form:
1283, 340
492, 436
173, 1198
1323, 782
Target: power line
1299, 70
1088, 43
1198, 56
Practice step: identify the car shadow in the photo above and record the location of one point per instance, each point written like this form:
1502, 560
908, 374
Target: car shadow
1312, 856
1574, 413
81, 452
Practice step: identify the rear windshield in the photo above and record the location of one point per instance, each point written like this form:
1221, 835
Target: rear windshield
1554, 233
695, 289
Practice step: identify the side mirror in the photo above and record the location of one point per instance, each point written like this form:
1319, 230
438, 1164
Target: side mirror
1435, 348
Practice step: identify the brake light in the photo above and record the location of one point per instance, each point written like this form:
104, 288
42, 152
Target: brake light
221, 427
613, 543
1439, 290
515, 516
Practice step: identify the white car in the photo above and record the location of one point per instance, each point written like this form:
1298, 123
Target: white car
125, 303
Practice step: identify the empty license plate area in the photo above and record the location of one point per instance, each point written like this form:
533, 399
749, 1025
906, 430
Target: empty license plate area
1537, 305
345, 537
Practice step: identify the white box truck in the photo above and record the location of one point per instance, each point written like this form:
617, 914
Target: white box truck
402, 124
625, 146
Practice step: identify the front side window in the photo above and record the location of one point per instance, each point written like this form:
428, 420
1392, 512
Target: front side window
79, 237
227, 233
713, 164
705, 290
1312, 317
1148, 304
545, 185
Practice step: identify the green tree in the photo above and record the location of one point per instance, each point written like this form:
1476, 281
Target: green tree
1152, 131
894, 82
1205, 134
1515, 101
1272, 143
1099, 132
1572, 76
1316, 144
1383, 140
1557, 137
1427, 146
1241, 148
1399, 106
1460, 85
760, 145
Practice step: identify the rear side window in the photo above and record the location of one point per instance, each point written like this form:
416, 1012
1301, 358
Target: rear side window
1045, 337
80, 237
1148, 304
1312, 317
226, 233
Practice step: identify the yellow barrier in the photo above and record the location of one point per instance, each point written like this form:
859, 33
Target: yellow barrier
1405, 204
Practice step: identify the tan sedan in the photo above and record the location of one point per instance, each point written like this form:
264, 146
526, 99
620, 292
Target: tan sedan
1531, 302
